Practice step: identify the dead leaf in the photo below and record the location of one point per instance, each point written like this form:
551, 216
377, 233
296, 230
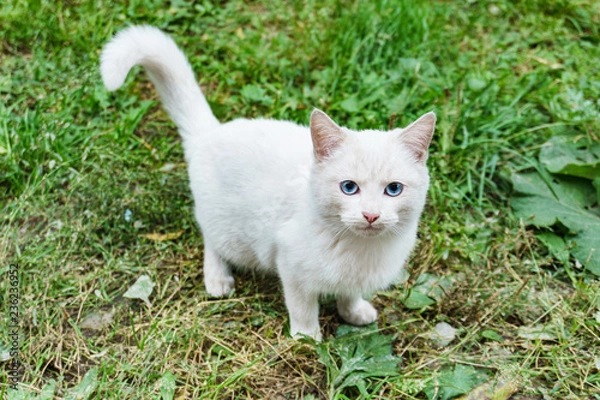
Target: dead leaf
538, 332
147, 145
442, 334
97, 320
167, 167
161, 237
508, 383
240, 33
141, 289
553, 65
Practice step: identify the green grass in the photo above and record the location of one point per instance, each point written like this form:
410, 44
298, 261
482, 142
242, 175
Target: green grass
502, 76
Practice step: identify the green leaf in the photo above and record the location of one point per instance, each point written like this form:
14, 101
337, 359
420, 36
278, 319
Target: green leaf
476, 84
4, 352
427, 290
18, 394
167, 386
356, 356
86, 387
492, 335
433, 286
575, 156
451, 383
47, 392
587, 248
344, 329
549, 200
417, 300
23, 393
502, 388
253, 93
557, 246
350, 105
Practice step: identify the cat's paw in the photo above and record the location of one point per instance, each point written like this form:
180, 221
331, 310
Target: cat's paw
219, 287
359, 312
312, 333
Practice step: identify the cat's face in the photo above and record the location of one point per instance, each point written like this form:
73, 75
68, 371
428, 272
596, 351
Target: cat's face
370, 183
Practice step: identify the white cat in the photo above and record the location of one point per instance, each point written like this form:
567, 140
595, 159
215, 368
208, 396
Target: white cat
330, 210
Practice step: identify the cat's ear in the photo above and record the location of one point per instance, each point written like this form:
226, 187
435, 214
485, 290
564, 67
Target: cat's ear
326, 135
417, 136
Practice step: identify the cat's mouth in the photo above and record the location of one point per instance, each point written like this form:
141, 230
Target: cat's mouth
370, 230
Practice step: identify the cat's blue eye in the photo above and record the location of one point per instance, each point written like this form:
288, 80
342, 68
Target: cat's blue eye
349, 187
394, 189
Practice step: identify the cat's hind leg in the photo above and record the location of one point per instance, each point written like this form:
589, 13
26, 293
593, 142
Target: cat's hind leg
356, 310
217, 274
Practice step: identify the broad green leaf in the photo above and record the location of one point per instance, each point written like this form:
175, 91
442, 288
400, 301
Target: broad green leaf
412, 386
358, 368
47, 392
451, 383
19, 394
587, 248
575, 156
567, 200
427, 290
344, 329
433, 286
141, 289
557, 246
86, 387
356, 355
167, 386
417, 300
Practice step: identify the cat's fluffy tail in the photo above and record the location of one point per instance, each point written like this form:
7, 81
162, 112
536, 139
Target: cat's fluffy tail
168, 68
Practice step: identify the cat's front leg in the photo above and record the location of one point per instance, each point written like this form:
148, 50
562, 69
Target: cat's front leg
303, 308
217, 274
356, 310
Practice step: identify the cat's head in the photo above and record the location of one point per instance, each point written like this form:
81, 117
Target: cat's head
370, 183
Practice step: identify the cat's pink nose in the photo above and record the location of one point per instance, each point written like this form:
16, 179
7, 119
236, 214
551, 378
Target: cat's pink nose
370, 217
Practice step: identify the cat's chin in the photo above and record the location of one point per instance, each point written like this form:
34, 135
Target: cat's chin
368, 231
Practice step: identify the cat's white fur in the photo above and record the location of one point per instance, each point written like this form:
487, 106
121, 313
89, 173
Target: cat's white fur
267, 193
